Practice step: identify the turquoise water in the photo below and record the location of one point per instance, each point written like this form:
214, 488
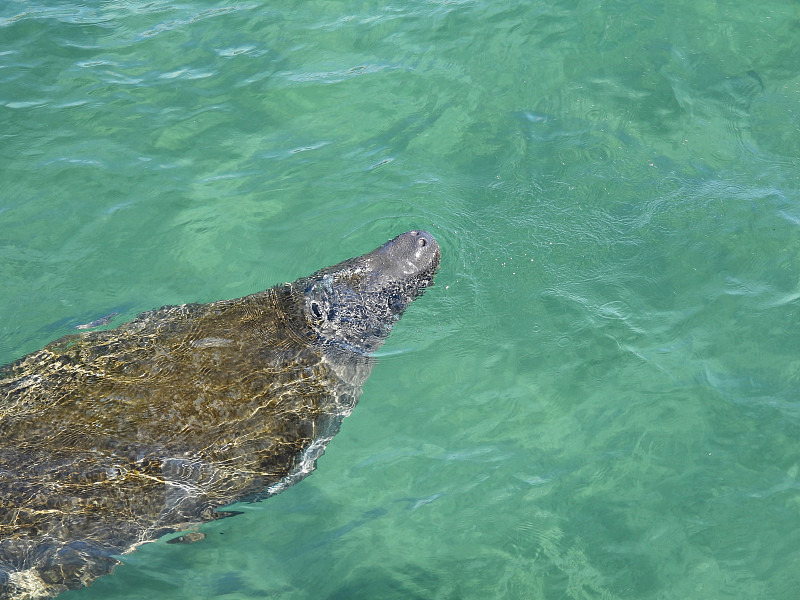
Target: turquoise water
599, 397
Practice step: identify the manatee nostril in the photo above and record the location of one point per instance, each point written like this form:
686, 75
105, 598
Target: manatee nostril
422, 242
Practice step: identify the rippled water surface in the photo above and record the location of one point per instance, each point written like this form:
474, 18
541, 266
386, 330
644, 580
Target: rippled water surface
598, 399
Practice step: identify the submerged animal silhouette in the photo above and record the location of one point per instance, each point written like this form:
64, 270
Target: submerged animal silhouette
109, 439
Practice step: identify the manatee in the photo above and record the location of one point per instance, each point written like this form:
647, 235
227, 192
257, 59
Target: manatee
109, 439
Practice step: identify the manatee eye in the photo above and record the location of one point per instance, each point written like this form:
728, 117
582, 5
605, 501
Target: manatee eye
316, 310
395, 304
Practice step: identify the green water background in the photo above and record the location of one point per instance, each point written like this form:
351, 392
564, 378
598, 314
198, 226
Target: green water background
599, 397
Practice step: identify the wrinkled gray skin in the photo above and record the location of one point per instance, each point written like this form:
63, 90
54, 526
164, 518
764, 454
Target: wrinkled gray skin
113, 438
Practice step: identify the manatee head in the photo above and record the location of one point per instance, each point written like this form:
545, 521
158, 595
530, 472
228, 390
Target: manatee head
353, 305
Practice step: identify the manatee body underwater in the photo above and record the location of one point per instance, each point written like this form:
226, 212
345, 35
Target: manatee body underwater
109, 439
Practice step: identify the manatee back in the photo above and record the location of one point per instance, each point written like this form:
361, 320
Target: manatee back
113, 438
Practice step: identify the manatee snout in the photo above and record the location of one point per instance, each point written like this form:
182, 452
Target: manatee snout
410, 255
